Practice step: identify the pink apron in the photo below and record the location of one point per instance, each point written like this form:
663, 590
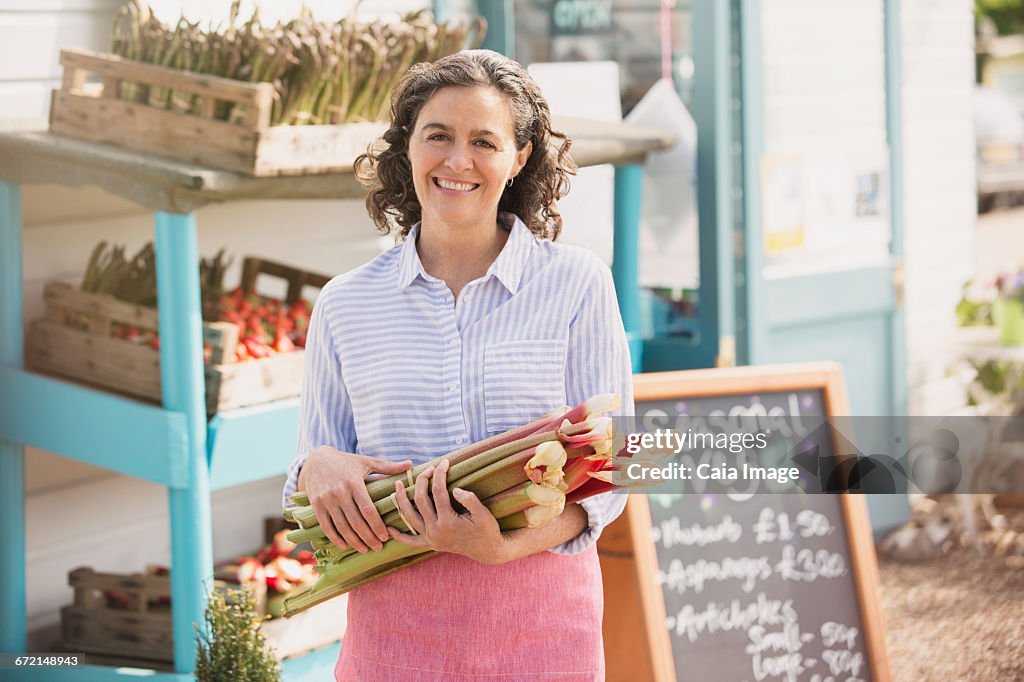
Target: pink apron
536, 619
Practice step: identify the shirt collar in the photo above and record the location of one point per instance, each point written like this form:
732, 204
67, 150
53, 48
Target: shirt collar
508, 267
409, 266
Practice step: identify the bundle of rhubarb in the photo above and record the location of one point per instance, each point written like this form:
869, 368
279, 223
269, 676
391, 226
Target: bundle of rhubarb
525, 476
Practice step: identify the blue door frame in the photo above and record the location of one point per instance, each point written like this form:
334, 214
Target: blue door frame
803, 317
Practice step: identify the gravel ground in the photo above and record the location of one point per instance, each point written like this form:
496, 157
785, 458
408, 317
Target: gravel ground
959, 616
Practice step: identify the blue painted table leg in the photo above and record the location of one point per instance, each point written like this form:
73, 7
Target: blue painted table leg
183, 387
501, 25
442, 11
629, 187
12, 455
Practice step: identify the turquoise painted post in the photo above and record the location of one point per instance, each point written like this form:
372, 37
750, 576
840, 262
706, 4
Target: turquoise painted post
712, 111
753, 337
890, 511
501, 26
183, 388
442, 11
894, 131
629, 187
12, 455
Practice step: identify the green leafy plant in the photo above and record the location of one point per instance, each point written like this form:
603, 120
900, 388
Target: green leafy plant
995, 381
233, 647
974, 308
1008, 15
976, 300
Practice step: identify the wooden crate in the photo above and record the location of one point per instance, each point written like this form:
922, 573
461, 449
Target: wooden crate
75, 339
92, 110
141, 630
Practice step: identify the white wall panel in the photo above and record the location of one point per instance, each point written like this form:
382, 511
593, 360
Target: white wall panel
939, 190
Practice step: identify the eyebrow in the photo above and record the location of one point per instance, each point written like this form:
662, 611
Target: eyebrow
449, 129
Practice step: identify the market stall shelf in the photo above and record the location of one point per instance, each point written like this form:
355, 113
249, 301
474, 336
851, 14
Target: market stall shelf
77, 339
185, 452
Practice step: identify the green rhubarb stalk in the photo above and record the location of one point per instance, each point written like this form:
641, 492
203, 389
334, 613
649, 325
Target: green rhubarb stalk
484, 474
495, 477
383, 487
300, 601
306, 534
511, 501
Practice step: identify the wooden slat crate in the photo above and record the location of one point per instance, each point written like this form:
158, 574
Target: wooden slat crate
75, 339
140, 630
246, 144
143, 630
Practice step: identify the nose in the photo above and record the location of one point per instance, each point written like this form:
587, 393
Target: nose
458, 159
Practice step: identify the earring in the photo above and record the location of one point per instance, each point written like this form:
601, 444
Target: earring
509, 183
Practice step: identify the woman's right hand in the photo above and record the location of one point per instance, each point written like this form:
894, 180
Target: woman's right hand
335, 483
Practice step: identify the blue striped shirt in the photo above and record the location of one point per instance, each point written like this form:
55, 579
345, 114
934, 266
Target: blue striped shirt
396, 368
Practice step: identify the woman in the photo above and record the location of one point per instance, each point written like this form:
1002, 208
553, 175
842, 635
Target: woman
476, 323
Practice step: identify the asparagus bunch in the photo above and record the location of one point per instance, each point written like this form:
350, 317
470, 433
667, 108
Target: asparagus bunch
323, 72
524, 476
133, 279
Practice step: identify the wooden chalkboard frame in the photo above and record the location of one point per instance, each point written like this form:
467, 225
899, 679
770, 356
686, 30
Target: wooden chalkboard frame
637, 644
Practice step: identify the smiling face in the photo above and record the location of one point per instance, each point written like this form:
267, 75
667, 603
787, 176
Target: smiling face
462, 152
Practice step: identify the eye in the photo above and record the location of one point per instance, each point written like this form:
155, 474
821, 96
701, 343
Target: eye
484, 143
437, 137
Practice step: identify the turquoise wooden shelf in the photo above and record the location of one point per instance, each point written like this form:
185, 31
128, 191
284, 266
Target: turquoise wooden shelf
173, 444
120, 434
247, 445
315, 666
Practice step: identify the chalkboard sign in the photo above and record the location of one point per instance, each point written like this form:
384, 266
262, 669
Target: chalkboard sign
735, 587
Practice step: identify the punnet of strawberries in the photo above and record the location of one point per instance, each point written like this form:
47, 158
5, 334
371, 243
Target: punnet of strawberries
265, 325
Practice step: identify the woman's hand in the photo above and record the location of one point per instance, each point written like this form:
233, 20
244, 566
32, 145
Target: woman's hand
335, 483
475, 534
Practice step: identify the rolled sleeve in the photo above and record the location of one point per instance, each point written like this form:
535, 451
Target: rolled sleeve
325, 411
598, 362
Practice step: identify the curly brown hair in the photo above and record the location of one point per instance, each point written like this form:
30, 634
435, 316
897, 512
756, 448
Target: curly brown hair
543, 179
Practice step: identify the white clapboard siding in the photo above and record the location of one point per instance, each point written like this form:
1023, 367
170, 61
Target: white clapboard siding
31, 37
824, 87
824, 90
940, 208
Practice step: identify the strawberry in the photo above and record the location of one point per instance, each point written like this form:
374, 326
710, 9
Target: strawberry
282, 344
257, 349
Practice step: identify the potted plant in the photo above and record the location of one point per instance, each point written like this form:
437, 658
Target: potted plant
1008, 308
233, 647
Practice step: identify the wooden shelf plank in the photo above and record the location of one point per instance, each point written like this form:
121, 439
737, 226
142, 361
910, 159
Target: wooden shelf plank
88, 425
177, 187
95, 673
315, 666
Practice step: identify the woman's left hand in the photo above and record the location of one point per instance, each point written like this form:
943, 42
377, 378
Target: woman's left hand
475, 534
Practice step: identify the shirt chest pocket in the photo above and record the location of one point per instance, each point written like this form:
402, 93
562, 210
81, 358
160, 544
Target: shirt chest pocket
522, 381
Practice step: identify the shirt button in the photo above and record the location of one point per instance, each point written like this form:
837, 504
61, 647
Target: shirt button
460, 440
467, 298
453, 387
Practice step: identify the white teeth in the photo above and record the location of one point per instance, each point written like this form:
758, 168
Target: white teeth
458, 186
